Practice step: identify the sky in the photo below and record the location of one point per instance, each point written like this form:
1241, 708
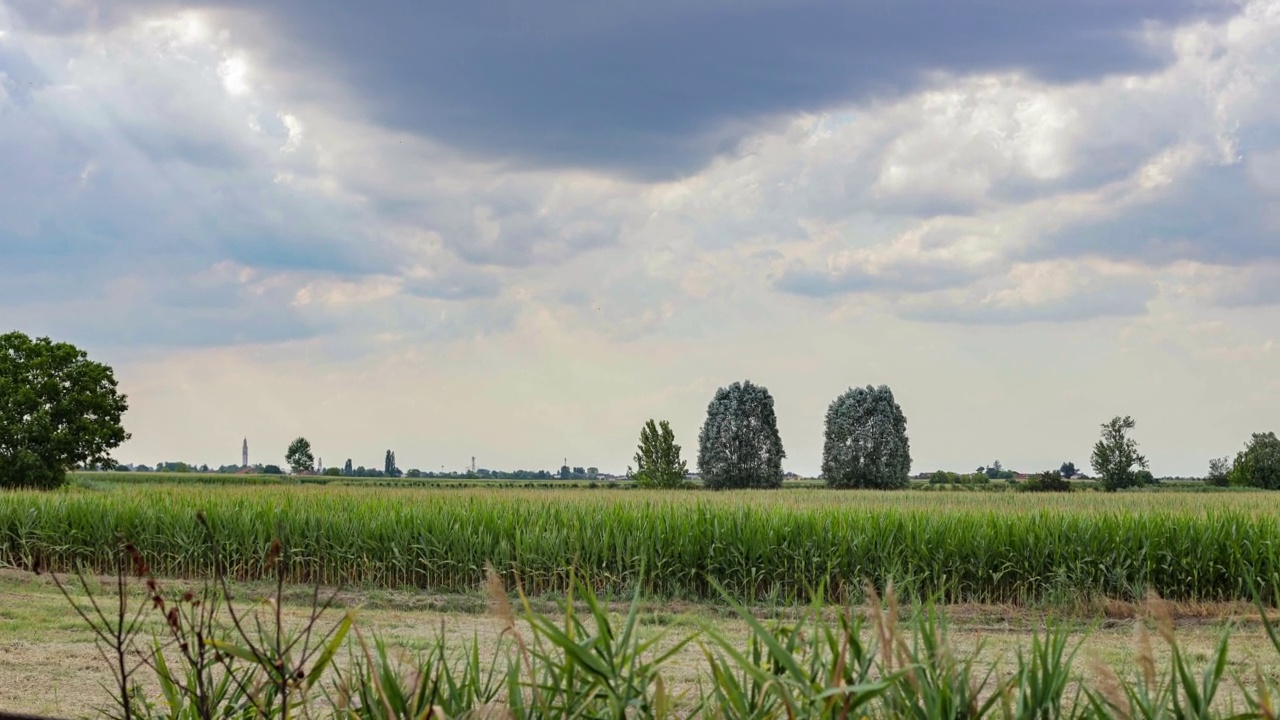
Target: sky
516, 231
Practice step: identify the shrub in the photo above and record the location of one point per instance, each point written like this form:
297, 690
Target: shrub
946, 477
943, 477
1048, 481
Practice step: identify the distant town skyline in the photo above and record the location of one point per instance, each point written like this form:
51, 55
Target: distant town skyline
471, 466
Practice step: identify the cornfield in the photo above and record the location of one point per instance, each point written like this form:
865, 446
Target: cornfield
776, 546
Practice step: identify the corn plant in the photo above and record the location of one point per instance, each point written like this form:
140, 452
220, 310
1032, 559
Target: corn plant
778, 546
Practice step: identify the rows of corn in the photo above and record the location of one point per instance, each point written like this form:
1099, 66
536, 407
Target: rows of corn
759, 546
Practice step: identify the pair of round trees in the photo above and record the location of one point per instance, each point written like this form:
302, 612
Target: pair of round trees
865, 444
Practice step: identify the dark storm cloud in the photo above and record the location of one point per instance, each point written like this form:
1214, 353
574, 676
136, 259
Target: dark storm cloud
1217, 215
163, 311
656, 89
74, 16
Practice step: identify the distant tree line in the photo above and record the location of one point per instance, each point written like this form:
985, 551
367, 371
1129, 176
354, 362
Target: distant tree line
347, 470
946, 477
182, 467
59, 411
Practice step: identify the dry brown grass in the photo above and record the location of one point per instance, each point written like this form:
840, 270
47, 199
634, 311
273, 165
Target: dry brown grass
48, 663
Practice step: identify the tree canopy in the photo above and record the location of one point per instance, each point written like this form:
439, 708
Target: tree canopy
1258, 465
299, 456
866, 442
1116, 458
1219, 472
658, 462
389, 467
58, 409
739, 446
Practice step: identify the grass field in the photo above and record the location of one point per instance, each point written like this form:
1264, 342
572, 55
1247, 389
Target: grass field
771, 546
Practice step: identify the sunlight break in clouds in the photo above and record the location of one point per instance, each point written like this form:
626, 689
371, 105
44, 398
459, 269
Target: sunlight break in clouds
239, 209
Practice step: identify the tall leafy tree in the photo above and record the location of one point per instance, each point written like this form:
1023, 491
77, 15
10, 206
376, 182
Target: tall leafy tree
58, 409
389, 465
1258, 465
658, 462
1116, 459
1219, 472
739, 446
1068, 470
866, 442
347, 469
299, 456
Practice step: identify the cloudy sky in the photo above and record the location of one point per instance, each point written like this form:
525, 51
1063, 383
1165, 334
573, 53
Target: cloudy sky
518, 230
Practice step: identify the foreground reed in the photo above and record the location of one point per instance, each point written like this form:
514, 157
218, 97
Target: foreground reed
217, 659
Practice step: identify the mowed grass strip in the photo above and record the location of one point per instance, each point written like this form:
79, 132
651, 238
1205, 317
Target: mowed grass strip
783, 546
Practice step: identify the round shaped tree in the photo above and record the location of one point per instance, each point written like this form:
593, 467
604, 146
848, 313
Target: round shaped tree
300, 458
58, 409
866, 441
739, 446
1258, 465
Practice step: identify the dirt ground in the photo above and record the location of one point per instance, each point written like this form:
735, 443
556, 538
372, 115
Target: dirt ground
49, 664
